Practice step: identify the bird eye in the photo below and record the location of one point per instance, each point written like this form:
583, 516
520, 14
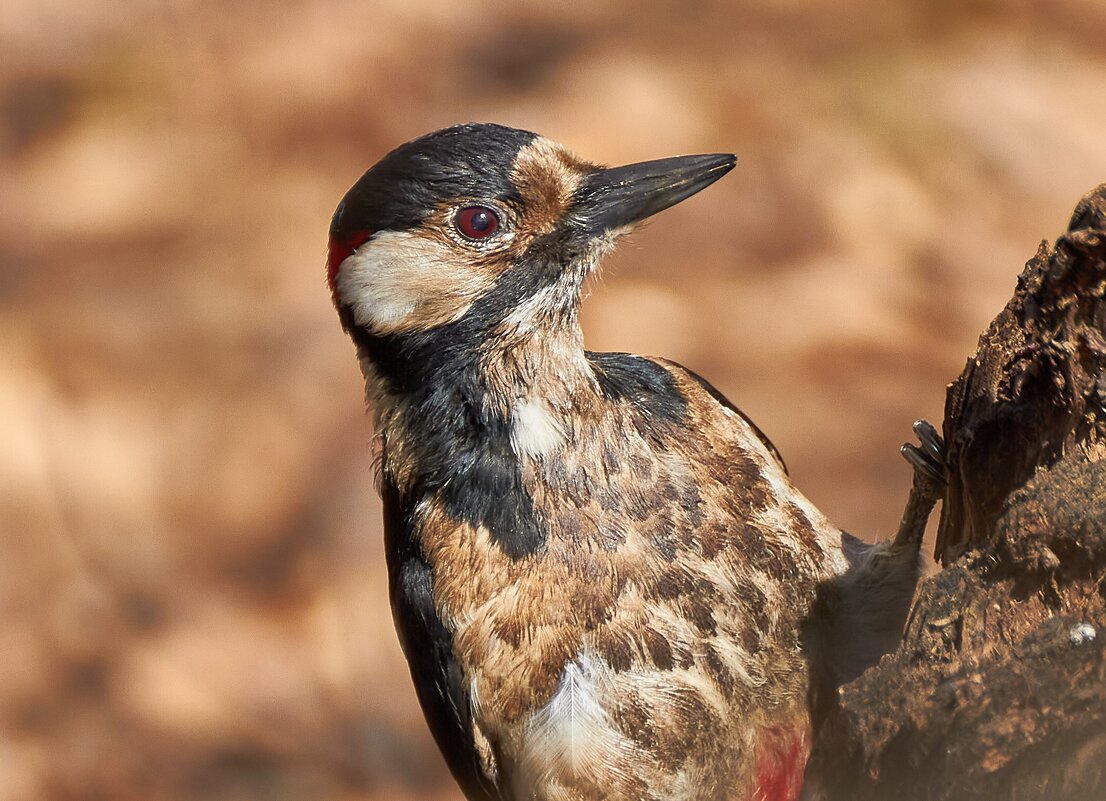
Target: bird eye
476, 222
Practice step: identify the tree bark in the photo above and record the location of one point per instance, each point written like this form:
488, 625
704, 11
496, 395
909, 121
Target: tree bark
998, 690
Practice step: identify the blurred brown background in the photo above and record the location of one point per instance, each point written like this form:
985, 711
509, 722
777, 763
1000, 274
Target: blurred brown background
191, 580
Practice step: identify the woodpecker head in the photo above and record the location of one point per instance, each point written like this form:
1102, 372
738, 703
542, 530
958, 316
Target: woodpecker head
485, 231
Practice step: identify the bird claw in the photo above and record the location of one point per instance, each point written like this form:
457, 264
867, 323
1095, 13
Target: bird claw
928, 459
930, 482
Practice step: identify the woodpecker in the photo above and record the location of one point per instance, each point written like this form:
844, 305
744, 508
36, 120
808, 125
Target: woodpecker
602, 578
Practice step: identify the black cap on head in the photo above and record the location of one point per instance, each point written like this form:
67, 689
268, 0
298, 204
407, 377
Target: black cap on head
472, 160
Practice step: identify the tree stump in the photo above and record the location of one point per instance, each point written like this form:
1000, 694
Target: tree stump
998, 690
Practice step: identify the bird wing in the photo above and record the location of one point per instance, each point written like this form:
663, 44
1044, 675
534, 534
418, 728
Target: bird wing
727, 403
428, 646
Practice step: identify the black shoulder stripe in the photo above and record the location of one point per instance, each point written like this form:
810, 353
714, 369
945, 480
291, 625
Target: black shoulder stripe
643, 382
428, 646
484, 488
724, 401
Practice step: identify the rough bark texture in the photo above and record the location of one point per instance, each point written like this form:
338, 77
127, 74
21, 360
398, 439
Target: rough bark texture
999, 688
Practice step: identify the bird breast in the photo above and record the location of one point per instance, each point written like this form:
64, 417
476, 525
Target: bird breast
653, 634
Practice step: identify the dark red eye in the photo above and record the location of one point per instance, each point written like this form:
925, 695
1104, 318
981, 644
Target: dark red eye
476, 222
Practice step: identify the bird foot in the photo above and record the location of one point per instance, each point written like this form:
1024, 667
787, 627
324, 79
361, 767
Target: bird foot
928, 460
930, 480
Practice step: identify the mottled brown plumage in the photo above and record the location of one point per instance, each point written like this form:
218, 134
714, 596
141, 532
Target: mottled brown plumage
603, 579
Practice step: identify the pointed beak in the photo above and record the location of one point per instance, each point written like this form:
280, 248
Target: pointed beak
614, 198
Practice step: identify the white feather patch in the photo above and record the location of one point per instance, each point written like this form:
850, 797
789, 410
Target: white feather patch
534, 430
571, 736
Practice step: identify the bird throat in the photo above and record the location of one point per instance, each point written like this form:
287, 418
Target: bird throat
457, 423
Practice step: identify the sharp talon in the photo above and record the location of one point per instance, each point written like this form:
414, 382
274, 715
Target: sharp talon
930, 439
920, 461
927, 458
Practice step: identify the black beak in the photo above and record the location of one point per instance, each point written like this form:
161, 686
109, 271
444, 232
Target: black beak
620, 196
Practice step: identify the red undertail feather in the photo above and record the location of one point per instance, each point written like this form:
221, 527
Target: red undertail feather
781, 768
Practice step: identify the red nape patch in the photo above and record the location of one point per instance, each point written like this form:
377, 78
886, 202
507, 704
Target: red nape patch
781, 766
338, 251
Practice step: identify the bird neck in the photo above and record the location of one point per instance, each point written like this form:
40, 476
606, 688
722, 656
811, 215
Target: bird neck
489, 369
440, 394
547, 365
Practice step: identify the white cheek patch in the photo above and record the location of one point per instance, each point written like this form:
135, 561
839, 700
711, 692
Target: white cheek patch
400, 281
